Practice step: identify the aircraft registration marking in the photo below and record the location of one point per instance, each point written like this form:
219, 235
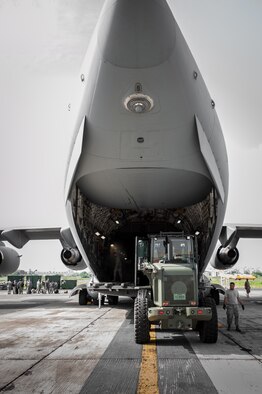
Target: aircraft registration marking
148, 377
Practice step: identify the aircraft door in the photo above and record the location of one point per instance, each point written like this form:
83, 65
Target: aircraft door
142, 248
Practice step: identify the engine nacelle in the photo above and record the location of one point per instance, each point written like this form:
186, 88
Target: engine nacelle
9, 260
71, 257
225, 258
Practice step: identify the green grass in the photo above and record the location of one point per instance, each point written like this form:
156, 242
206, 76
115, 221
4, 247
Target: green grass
255, 284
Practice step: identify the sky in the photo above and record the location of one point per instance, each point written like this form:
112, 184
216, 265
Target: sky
42, 46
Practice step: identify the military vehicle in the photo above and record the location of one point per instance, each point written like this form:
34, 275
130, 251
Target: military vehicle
174, 298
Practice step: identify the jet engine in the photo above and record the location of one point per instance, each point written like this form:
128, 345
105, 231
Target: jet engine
71, 257
9, 260
225, 258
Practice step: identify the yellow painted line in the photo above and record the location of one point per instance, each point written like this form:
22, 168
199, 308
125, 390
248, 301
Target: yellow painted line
148, 377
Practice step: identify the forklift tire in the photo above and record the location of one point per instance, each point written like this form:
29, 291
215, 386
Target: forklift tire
208, 330
142, 325
83, 297
112, 300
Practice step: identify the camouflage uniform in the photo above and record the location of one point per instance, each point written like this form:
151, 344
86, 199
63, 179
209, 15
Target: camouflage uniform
232, 301
232, 310
9, 287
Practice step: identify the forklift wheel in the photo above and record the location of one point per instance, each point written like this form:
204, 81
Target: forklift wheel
142, 325
208, 330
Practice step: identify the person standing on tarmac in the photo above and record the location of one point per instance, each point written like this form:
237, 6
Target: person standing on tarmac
247, 287
19, 284
29, 286
15, 287
231, 302
22, 286
47, 286
38, 286
9, 286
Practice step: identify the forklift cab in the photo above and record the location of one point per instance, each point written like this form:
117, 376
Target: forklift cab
165, 248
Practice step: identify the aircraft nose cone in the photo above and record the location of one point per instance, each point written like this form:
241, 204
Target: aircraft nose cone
131, 26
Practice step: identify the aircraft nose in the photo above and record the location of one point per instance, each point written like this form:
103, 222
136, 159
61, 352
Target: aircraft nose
142, 45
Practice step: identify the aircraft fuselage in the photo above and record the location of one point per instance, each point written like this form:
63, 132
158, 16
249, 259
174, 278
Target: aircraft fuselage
148, 153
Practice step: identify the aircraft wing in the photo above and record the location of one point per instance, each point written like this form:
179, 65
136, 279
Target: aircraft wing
230, 234
19, 237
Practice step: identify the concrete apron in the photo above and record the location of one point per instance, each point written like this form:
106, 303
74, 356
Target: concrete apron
54, 350
56, 346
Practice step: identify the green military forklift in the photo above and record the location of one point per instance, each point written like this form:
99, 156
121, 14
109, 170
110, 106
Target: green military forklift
169, 291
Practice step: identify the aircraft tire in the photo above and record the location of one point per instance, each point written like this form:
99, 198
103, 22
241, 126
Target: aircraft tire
208, 330
142, 326
82, 297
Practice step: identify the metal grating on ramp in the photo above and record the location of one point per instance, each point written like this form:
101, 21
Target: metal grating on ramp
118, 369
179, 369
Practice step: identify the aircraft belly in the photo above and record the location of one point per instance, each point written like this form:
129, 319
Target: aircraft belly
145, 188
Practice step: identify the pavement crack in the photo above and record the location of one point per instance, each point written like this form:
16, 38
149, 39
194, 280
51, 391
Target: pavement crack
241, 347
11, 386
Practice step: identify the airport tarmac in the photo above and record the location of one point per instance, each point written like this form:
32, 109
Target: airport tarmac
50, 344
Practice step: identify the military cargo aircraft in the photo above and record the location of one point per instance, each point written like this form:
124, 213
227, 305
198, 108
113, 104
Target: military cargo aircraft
147, 179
